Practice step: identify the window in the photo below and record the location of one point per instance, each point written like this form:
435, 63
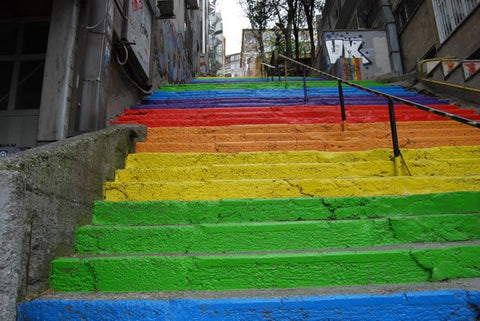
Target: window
450, 13
404, 12
22, 60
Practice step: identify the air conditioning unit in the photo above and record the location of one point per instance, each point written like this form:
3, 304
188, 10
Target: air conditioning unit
166, 9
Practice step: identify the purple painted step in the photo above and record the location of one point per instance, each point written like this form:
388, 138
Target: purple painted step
255, 102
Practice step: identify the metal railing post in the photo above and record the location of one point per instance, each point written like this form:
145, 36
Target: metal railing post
342, 106
396, 150
305, 93
393, 128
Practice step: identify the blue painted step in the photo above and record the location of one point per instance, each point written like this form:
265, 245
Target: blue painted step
421, 306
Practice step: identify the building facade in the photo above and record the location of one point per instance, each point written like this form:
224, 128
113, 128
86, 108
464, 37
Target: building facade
70, 66
364, 30
232, 65
437, 28
415, 29
251, 61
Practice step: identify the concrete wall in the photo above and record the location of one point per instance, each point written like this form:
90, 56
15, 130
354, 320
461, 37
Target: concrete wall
369, 45
46, 192
418, 36
465, 40
13, 238
456, 79
59, 64
91, 88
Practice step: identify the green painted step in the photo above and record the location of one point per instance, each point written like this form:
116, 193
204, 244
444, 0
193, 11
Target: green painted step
271, 236
287, 209
259, 271
262, 85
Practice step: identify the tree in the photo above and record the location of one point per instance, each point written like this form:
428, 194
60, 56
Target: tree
285, 16
309, 11
259, 14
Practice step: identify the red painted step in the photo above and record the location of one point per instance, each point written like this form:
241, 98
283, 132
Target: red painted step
282, 115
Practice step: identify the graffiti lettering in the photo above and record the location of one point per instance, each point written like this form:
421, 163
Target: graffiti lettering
137, 5
345, 48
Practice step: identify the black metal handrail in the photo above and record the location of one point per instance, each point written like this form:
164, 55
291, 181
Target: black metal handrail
390, 98
267, 68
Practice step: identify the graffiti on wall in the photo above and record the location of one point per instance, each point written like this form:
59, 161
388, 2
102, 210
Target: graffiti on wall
170, 53
138, 32
345, 48
369, 48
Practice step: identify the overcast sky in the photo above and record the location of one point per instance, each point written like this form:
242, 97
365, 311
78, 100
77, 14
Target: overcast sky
234, 21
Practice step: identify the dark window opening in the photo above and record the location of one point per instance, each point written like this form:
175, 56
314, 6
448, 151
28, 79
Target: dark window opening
431, 53
6, 69
9, 35
22, 60
475, 55
35, 37
29, 86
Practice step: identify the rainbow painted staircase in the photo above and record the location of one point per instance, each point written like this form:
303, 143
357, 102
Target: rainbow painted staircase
248, 203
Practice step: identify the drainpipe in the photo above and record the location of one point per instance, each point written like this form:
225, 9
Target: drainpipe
392, 37
204, 23
55, 102
92, 108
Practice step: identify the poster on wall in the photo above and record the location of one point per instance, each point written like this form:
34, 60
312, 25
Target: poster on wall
449, 65
139, 30
470, 68
430, 66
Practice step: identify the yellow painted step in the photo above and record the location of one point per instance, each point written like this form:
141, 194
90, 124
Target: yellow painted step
280, 188
456, 167
155, 160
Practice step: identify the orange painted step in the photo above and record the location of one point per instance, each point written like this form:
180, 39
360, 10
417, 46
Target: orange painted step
307, 137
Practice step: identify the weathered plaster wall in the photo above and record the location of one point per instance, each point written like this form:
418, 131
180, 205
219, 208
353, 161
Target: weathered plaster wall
13, 238
170, 53
465, 40
46, 192
368, 45
418, 36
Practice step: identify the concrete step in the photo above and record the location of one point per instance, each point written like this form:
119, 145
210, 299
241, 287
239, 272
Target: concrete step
213, 102
306, 145
300, 110
453, 167
433, 301
281, 188
276, 236
261, 85
284, 115
275, 93
284, 209
390, 265
149, 160
294, 128
185, 137
234, 139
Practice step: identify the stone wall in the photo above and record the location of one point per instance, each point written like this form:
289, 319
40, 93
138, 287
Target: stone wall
46, 193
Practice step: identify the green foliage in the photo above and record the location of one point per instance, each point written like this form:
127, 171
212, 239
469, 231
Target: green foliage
285, 18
